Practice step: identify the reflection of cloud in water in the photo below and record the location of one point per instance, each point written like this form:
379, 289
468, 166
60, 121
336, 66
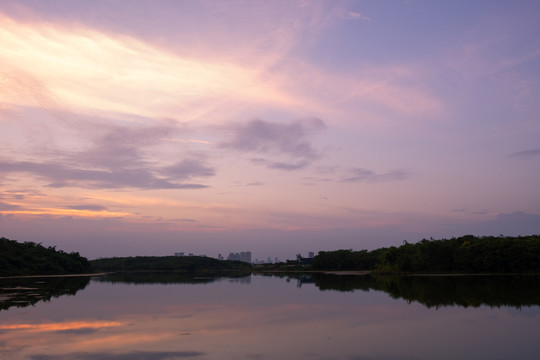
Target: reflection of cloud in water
383, 357
269, 319
67, 326
136, 355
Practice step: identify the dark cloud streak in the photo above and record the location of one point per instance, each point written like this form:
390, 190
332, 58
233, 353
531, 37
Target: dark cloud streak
89, 207
365, 175
8, 207
120, 146
280, 164
189, 168
527, 154
291, 141
116, 158
60, 175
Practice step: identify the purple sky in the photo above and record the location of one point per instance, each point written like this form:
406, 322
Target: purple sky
153, 127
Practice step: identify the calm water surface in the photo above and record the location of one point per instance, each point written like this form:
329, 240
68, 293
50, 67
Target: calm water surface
166, 317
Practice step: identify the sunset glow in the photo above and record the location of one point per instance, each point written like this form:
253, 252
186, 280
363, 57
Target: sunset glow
276, 127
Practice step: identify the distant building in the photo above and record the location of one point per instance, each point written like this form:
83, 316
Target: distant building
220, 257
311, 255
179, 254
304, 261
244, 256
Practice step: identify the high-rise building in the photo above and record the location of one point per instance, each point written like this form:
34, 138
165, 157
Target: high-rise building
244, 256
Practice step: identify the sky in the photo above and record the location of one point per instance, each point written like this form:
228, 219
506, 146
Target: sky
141, 127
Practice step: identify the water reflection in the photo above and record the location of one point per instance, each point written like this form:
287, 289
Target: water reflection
166, 277
22, 292
438, 290
431, 291
157, 317
135, 355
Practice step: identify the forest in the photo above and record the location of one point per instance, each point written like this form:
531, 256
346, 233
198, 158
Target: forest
168, 263
29, 258
466, 254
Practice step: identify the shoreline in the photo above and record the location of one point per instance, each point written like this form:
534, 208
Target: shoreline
53, 276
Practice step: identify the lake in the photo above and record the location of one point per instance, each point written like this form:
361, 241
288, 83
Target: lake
163, 316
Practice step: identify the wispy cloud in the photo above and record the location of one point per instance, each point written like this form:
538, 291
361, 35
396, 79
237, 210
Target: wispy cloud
281, 165
87, 207
16, 194
60, 175
527, 154
365, 175
43, 61
357, 15
8, 207
50, 66
113, 156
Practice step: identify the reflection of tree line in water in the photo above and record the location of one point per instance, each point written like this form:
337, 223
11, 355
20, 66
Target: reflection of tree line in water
432, 291
436, 291
22, 292
167, 277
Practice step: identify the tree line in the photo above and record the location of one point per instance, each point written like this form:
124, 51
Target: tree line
29, 258
466, 254
168, 263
